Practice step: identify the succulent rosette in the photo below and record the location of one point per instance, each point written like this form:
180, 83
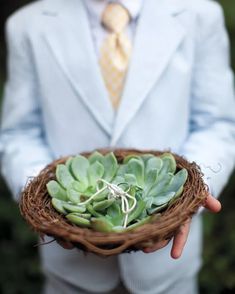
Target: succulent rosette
99, 193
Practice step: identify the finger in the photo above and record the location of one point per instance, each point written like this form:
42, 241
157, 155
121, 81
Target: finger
212, 204
157, 246
179, 240
65, 244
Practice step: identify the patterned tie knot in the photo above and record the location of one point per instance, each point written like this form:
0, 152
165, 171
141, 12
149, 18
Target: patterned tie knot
115, 17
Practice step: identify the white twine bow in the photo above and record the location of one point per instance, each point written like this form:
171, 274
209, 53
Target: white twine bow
116, 192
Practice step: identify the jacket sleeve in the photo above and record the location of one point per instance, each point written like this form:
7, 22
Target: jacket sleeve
211, 140
23, 148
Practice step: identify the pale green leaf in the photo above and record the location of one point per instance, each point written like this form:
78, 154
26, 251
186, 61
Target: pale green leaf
55, 190
95, 173
79, 166
63, 176
96, 156
110, 166
136, 167
58, 205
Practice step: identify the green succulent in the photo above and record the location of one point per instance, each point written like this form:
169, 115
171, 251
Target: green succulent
98, 193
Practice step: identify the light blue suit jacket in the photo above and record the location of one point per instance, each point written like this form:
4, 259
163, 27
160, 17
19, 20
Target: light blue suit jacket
178, 95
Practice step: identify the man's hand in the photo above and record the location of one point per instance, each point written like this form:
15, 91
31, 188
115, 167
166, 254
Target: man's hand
180, 238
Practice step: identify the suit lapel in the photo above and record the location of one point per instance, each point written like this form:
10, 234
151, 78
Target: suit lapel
158, 36
69, 40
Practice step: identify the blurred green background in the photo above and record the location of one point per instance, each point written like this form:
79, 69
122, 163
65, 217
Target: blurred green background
19, 263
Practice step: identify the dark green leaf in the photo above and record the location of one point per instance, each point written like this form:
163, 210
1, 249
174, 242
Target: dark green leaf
101, 224
115, 214
102, 205
156, 209
92, 211
140, 207
77, 220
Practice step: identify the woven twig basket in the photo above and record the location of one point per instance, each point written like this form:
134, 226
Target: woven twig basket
36, 208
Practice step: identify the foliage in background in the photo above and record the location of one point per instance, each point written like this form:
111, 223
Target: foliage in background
19, 266
218, 273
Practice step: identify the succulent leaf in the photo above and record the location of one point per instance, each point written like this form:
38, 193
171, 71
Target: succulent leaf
101, 224
136, 167
118, 180
73, 196
163, 198
150, 180
68, 163
58, 205
78, 220
101, 196
160, 185
55, 190
96, 156
140, 207
156, 209
102, 205
92, 211
169, 163
115, 214
79, 166
178, 181
129, 157
74, 208
63, 176
122, 170
110, 166
130, 179
119, 229
153, 163
146, 157
82, 215
95, 173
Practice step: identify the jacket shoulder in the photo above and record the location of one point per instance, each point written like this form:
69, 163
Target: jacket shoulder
205, 10
205, 17
29, 16
26, 14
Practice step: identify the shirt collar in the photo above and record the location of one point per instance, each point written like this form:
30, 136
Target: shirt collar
96, 7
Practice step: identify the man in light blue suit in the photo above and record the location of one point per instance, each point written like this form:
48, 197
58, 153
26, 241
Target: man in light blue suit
178, 95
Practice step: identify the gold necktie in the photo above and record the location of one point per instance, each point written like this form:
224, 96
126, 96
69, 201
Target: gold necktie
115, 51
